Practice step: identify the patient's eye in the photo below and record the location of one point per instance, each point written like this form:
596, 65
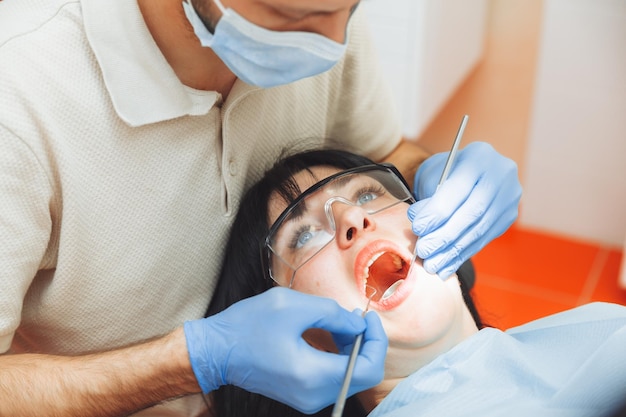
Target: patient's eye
368, 194
303, 235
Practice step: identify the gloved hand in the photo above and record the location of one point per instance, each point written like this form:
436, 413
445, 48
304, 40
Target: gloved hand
257, 344
477, 203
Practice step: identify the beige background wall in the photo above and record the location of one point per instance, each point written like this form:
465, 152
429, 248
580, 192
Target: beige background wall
426, 48
575, 179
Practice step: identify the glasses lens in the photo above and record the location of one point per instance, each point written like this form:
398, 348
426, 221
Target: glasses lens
307, 225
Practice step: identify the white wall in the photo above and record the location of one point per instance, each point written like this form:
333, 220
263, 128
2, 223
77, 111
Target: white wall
575, 181
427, 48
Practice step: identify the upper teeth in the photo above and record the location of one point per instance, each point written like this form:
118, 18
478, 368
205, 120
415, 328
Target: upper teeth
374, 258
397, 262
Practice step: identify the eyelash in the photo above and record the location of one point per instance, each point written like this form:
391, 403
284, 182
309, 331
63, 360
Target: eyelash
373, 189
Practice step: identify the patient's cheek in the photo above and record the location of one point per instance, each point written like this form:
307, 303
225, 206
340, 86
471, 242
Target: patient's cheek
320, 339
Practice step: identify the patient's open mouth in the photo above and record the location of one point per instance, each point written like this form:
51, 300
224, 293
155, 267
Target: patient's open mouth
385, 272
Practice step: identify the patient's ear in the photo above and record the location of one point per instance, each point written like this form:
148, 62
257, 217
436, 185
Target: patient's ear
320, 340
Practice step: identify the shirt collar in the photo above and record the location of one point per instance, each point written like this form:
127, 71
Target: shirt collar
143, 87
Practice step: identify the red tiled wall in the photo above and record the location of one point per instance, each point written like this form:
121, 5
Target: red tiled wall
525, 274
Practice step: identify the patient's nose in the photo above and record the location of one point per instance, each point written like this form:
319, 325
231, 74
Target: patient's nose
351, 222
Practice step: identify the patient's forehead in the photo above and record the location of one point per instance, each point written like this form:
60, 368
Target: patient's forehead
308, 178
304, 179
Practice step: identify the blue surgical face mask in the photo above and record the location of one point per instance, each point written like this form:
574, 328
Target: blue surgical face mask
263, 57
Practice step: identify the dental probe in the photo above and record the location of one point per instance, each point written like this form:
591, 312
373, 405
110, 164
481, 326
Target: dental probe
343, 392
452, 155
444, 175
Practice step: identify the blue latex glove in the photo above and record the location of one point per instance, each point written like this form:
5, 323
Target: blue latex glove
257, 344
477, 203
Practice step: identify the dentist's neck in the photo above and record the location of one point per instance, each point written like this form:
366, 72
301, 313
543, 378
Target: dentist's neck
196, 67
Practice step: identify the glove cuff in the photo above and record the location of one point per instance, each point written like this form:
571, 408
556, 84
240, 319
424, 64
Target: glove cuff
203, 364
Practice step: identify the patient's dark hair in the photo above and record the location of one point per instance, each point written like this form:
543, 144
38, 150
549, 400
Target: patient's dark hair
242, 273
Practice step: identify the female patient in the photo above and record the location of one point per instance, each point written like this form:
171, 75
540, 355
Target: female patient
334, 224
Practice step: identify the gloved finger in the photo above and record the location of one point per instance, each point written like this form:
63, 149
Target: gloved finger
313, 382
437, 210
416, 208
304, 377
488, 197
340, 322
466, 216
316, 312
370, 364
475, 219
427, 176
447, 262
323, 373
343, 341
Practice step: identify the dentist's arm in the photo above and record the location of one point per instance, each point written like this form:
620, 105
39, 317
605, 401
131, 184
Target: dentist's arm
255, 344
111, 383
407, 157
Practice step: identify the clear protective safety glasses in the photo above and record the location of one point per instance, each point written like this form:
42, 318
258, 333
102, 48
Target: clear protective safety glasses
307, 225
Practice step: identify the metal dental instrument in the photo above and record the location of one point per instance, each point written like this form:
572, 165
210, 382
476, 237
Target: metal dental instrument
343, 392
446, 170
452, 154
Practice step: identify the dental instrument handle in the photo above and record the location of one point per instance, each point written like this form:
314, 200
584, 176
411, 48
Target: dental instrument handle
444, 175
452, 155
413, 258
343, 392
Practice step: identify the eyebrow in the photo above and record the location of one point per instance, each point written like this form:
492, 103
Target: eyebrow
341, 181
344, 180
